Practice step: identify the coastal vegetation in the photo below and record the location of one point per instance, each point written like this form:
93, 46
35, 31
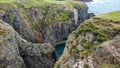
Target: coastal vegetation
104, 27
9, 4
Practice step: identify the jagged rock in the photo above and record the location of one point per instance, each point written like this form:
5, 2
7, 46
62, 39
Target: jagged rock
97, 44
16, 19
107, 54
55, 22
16, 52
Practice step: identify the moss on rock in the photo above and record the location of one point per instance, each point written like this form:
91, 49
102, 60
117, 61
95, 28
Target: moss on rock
102, 28
90, 35
51, 11
62, 16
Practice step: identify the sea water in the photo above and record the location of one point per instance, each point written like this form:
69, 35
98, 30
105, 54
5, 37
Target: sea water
103, 6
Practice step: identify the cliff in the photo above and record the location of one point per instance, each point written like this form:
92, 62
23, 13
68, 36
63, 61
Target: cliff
28, 30
52, 20
94, 44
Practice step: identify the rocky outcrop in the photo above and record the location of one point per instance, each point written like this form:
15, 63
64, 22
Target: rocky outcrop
16, 52
105, 56
15, 18
9, 52
94, 44
53, 21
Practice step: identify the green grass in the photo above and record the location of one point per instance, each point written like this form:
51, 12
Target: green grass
42, 2
30, 3
112, 16
63, 16
7, 0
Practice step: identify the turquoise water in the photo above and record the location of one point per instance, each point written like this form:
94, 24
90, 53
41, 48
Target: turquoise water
59, 49
103, 6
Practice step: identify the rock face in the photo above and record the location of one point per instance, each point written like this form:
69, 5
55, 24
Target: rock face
16, 19
9, 52
48, 24
54, 22
13, 48
94, 44
105, 56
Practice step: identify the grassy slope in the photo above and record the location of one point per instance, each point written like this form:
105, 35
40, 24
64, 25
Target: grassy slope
112, 16
7, 4
7, 0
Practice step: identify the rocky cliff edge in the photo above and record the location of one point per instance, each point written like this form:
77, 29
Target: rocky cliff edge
44, 21
94, 44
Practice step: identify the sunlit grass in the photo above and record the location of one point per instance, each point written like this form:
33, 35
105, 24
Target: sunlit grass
112, 16
30, 3
7, 0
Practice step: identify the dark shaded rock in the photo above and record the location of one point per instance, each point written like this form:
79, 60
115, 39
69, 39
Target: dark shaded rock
91, 15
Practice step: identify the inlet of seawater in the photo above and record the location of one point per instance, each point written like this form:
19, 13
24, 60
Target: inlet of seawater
103, 6
59, 48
